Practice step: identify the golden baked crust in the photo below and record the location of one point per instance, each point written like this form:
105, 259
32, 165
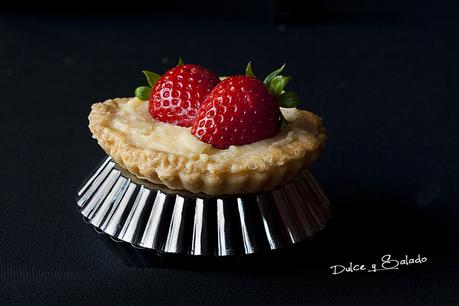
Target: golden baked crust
265, 169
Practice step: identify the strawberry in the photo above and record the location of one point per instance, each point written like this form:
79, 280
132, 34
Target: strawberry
241, 110
176, 96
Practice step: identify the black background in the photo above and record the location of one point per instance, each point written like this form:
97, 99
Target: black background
385, 78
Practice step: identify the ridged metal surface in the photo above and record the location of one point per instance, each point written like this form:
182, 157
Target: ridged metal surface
152, 217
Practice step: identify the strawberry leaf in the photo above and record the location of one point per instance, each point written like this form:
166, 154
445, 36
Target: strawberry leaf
180, 62
277, 85
248, 70
152, 77
283, 122
143, 92
272, 75
289, 99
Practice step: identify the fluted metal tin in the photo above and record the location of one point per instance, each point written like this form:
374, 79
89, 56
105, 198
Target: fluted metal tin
169, 221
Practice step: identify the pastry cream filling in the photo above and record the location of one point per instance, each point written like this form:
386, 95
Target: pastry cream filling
141, 130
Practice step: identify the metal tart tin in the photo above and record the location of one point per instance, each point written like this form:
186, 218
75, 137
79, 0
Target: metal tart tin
149, 217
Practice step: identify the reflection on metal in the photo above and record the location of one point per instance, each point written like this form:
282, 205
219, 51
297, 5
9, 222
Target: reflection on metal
154, 217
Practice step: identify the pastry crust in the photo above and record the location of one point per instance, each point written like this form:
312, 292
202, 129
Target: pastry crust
265, 169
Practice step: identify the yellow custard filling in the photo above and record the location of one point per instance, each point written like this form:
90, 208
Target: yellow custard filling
133, 120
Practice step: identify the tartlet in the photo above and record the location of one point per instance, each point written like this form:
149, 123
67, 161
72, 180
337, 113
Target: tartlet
168, 154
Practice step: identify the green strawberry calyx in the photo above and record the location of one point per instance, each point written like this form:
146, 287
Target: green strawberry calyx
275, 82
143, 92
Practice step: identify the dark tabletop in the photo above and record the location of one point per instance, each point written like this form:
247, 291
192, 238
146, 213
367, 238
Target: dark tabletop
385, 80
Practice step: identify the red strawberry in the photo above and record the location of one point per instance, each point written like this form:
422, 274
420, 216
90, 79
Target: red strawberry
177, 95
240, 110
